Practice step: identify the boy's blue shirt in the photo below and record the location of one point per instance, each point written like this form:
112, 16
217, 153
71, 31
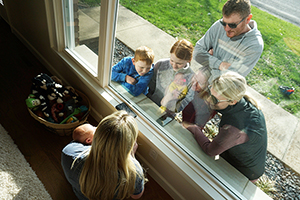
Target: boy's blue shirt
126, 67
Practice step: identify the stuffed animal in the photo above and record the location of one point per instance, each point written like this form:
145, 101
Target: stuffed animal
50, 93
41, 86
32, 102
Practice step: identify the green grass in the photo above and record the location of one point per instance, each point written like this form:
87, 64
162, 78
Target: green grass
266, 185
279, 63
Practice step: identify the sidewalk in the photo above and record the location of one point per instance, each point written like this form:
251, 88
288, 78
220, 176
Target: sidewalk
283, 127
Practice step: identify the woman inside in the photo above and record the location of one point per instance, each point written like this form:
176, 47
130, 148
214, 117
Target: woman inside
242, 137
107, 169
166, 69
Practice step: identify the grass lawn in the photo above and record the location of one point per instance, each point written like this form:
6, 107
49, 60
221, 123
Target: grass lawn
279, 63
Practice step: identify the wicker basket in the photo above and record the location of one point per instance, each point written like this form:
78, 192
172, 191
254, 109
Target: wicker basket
64, 129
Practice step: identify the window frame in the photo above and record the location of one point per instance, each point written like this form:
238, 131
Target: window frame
197, 173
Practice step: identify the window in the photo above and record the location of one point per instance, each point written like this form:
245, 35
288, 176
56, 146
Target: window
82, 32
89, 34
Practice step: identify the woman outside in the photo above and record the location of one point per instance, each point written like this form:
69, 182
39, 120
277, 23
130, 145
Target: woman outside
242, 137
107, 169
164, 74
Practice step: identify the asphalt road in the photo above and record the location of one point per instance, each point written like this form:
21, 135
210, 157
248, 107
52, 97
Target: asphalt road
287, 10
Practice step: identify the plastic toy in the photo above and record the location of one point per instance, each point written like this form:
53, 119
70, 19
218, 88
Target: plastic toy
76, 111
287, 90
32, 102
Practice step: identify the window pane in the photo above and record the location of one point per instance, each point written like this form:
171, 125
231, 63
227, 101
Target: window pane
129, 38
81, 20
133, 32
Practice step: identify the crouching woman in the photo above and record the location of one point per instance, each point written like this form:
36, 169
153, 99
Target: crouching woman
107, 169
242, 137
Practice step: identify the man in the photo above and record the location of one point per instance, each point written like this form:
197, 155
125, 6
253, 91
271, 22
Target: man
231, 43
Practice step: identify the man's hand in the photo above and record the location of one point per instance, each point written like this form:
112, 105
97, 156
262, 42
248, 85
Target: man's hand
130, 80
224, 66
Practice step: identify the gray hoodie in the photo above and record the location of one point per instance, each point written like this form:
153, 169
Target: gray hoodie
242, 51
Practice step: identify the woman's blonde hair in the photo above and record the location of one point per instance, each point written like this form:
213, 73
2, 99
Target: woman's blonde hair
233, 86
183, 49
108, 169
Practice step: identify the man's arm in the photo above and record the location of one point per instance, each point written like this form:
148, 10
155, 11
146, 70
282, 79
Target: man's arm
202, 52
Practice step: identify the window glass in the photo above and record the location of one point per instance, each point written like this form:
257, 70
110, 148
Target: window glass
172, 90
81, 22
176, 88
168, 80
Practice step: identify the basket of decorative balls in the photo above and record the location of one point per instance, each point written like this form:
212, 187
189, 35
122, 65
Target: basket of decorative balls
60, 109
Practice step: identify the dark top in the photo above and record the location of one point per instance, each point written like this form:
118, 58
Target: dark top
242, 139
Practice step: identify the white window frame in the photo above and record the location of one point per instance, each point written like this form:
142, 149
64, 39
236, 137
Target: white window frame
210, 183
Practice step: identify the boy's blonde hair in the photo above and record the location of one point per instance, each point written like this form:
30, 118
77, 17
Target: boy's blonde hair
144, 53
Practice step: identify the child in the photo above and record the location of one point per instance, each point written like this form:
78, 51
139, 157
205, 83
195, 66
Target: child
178, 86
164, 72
134, 73
84, 134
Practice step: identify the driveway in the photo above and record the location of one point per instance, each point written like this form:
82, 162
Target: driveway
287, 10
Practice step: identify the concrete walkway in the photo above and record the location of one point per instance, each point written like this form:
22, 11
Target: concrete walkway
134, 31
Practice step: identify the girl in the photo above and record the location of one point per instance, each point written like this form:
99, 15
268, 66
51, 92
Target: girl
181, 54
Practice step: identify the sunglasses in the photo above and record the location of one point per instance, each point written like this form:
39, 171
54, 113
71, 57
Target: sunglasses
231, 25
214, 99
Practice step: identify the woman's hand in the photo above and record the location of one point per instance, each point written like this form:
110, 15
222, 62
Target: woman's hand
186, 125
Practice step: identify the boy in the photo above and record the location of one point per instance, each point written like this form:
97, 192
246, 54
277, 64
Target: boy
84, 134
134, 73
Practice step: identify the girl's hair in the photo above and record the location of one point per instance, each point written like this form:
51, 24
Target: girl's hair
232, 86
108, 169
183, 49
144, 53
241, 7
